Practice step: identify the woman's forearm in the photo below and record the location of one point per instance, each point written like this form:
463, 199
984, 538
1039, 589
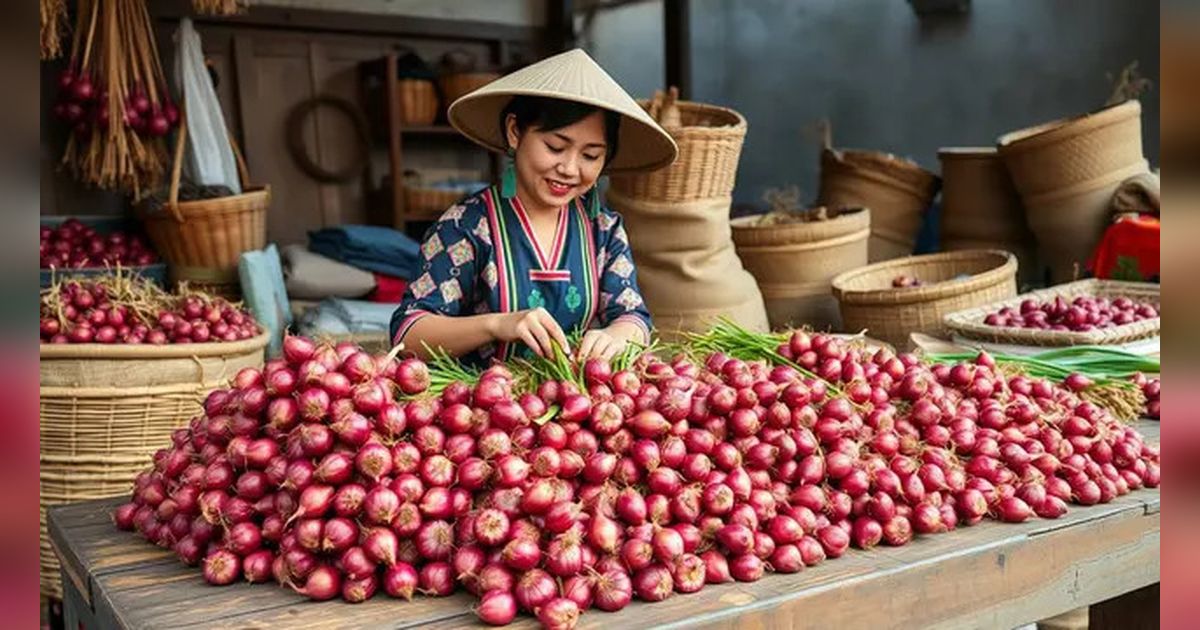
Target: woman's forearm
456, 335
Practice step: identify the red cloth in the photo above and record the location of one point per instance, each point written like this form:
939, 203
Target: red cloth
388, 289
1129, 250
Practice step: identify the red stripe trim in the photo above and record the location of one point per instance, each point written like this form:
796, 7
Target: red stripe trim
556, 247
590, 244
406, 325
501, 268
560, 239
553, 275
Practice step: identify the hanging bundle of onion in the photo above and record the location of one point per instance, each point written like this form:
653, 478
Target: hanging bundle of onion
114, 95
53, 23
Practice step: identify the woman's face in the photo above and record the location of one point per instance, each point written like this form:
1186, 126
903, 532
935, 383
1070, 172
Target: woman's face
554, 167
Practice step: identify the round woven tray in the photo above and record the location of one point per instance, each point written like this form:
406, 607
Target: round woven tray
969, 322
954, 281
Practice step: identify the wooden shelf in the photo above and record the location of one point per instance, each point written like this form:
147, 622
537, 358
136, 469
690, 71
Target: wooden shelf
431, 130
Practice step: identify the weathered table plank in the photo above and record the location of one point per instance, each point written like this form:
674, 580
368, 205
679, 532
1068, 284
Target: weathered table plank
990, 575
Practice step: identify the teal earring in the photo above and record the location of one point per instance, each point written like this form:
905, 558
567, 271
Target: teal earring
508, 180
592, 201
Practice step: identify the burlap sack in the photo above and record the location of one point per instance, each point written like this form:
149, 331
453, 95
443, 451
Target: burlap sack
687, 267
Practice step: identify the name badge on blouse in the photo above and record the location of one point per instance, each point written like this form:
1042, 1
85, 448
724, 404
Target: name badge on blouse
550, 275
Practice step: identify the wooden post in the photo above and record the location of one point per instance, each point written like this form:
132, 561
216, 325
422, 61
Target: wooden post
560, 25
392, 85
677, 38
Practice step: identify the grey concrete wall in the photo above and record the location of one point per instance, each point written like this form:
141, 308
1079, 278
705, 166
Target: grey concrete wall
885, 78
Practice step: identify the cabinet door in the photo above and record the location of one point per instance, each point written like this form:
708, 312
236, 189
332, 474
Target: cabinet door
275, 73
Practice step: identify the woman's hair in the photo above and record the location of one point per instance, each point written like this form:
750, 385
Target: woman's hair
549, 113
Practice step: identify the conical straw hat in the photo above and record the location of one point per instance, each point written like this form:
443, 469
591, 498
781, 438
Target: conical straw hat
571, 76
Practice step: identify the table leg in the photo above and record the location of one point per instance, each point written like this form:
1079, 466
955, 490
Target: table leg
1135, 610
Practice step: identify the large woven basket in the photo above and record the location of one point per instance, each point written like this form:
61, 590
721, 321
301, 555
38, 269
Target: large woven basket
427, 204
968, 323
981, 209
457, 84
418, 102
1067, 171
896, 190
104, 411
953, 281
710, 144
794, 263
208, 233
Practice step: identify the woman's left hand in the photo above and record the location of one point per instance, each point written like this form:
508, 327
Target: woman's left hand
601, 344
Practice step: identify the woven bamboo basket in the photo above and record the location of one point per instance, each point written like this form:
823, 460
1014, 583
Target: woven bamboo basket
968, 323
427, 204
710, 144
953, 281
1066, 172
457, 84
794, 264
208, 233
982, 210
104, 411
896, 190
418, 102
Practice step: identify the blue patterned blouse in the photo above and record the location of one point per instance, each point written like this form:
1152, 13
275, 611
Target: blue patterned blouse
481, 257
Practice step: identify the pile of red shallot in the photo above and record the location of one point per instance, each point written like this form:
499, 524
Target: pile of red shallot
120, 309
340, 474
76, 245
1082, 314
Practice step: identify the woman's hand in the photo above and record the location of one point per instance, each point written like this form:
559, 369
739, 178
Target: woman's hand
601, 344
606, 343
536, 327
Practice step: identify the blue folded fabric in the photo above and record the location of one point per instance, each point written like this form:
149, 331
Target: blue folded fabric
379, 249
263, 290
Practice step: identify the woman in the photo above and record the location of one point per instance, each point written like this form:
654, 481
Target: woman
526, 264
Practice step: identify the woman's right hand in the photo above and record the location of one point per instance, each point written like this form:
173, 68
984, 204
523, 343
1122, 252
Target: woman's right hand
536, 327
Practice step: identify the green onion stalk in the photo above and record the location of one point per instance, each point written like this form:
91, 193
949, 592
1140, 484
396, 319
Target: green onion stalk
1108, 369
445, 369
732, 339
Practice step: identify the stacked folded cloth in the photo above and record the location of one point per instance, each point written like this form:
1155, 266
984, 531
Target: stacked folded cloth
352, 278
372, 248
352, 261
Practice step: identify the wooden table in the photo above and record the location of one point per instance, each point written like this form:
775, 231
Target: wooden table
991, 575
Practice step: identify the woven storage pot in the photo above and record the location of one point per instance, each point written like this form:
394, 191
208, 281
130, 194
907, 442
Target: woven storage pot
458, 84
794, 263
427, 204
1066, 172
969, 322
897, 191
982, 210
868, 302
104, 410
208, 233
710, 145
418, 102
